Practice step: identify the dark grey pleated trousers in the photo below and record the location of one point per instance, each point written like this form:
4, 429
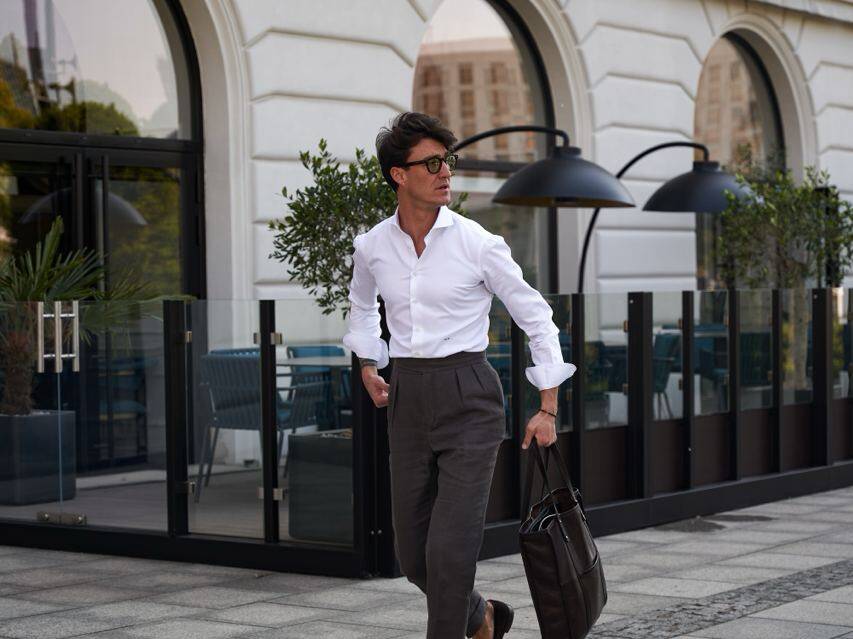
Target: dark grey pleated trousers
446, 421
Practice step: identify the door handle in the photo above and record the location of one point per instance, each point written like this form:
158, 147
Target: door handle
58, 356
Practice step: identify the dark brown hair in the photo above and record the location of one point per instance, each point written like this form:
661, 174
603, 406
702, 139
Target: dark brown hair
394, 143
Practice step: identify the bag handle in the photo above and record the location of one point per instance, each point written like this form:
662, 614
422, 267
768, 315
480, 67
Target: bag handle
543, 470
528, 485
561, 465
564, 473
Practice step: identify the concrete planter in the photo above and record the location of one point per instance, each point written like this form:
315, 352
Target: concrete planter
30, 469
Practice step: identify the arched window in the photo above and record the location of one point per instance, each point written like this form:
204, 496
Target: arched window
100, 125
93, 66
738, 119
477, 70
100, 128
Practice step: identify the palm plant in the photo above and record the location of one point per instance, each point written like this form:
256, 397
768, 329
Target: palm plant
46, 275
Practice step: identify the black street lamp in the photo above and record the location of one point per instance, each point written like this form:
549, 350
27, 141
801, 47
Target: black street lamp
702, 190
564, 179
561, 179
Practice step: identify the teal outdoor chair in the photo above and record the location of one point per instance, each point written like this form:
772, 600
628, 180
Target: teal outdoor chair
329, 413
663, 359
231, 380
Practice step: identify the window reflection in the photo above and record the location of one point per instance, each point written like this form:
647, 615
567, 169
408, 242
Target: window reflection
472, 78
474, 75
91, 66
736, 118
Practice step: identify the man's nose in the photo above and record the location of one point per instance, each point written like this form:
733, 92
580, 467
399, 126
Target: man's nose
445, 170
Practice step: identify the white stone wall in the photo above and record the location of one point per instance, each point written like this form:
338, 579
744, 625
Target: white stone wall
340, 69
328, 68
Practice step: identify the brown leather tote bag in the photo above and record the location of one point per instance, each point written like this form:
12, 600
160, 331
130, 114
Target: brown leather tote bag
561, 561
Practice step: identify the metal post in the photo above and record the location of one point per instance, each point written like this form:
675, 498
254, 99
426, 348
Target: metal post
640, 414
822, 376
778, 398
269, 423
688, 388
578, 381
174, 349
372, 438
735, 418
517, 363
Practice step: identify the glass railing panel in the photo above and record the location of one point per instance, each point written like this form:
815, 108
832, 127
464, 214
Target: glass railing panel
711, 352
499, 356
315, 424
224, 431
606, 360
666, 355
797, 350
842, 331
37, 423
121, 415
756, 349
561, 315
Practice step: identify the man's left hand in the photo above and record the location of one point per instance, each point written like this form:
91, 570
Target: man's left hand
541, 426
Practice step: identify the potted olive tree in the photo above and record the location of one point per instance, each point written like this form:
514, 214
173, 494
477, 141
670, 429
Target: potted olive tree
315, 239
34, 466
788, 235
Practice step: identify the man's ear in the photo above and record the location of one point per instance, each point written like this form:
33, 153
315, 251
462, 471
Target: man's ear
398, 174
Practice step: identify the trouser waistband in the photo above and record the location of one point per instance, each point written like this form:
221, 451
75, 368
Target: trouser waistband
462, 358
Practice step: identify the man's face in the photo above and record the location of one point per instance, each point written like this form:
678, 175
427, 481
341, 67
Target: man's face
418, 183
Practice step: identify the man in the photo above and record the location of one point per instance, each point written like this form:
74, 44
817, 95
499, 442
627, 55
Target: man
437, 272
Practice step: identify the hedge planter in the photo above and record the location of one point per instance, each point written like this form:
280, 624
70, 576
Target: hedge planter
30, 457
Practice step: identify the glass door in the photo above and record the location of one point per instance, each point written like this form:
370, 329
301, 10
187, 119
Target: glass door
140, 220
36, 188
136, 220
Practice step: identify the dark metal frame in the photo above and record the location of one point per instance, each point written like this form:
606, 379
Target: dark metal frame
372, 552
641, 506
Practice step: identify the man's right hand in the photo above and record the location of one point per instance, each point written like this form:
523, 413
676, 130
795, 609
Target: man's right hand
376, 387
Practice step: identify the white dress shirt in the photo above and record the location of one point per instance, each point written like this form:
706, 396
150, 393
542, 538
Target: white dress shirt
438, 304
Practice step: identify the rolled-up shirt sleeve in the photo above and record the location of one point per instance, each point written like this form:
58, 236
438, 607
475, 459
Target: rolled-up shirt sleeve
363, 335
502, 276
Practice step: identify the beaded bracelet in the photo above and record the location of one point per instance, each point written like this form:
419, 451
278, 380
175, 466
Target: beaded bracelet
542, 410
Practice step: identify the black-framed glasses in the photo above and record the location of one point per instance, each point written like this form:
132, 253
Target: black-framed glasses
433, 163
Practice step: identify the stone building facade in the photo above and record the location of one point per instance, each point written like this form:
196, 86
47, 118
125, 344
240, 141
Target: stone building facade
622, 75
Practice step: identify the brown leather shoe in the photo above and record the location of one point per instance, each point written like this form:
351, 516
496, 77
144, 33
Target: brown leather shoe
503, 617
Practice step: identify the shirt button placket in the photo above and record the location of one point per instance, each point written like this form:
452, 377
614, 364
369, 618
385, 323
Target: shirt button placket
416, 330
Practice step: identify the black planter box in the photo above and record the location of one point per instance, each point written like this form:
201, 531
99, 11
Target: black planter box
30, 457
320, 497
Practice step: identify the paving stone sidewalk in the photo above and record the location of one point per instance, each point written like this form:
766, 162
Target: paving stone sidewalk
782, 570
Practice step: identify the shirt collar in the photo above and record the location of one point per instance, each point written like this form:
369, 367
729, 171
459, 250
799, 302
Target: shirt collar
445, 218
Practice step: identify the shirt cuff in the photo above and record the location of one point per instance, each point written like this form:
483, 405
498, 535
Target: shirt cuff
369, 347
549, 375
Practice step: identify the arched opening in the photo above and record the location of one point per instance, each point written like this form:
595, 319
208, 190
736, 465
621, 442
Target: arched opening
737, 117
100, 125
478, 68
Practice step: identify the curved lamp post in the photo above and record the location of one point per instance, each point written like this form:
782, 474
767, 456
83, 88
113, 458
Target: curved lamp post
561, 179
702, 189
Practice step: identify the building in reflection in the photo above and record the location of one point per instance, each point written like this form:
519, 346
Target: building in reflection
474, 85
